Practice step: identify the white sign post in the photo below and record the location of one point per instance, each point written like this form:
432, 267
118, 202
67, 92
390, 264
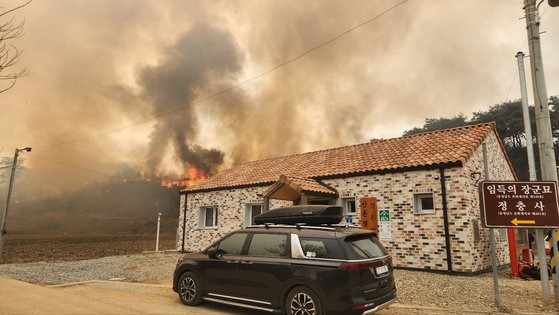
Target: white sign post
158, 224
385, 230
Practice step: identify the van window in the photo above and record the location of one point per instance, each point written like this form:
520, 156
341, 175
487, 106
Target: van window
321, 248
364, 247
232, 245
268, 245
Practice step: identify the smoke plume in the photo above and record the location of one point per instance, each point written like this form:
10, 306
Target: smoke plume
202, 57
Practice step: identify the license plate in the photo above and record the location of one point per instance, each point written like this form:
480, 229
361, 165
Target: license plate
382, 269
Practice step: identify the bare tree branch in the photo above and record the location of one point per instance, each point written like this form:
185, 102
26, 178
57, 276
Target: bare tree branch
16, 8
9, 54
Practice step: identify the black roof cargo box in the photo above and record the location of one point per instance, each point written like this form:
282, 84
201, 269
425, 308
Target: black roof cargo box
307, 214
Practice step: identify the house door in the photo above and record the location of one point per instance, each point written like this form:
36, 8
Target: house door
369, 213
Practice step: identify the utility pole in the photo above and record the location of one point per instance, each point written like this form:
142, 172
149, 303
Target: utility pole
526, 116
8, 198
543, 123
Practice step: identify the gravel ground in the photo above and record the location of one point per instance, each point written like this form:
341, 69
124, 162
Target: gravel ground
473, 293
415, 288
137, 268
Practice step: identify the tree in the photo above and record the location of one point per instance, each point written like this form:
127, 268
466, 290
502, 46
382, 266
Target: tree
510, 127
9, 54
432, 124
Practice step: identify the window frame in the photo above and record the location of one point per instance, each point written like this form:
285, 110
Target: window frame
345, 202
202, 223
417, 205
248, 212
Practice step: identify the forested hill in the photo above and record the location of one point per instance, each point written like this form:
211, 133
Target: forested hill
510, 126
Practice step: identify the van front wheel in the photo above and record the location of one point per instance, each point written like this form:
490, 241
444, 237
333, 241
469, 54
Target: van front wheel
190, 291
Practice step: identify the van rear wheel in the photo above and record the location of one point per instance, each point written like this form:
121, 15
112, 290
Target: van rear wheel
303, 301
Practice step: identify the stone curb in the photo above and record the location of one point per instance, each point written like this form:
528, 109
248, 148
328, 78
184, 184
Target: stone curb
71, 284
166, 251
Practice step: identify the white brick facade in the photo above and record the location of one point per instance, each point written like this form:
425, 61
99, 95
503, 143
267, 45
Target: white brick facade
418, 240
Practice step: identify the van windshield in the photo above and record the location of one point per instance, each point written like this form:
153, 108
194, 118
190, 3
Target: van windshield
364, 247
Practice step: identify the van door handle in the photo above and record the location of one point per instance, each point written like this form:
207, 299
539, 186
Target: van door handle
247, 262
232, 261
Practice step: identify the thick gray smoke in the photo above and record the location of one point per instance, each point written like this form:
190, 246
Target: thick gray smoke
203, 57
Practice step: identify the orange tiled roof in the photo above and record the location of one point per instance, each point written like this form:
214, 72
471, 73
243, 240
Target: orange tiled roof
300, 185
448, 146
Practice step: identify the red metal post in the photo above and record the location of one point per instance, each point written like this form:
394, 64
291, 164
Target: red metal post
513, 253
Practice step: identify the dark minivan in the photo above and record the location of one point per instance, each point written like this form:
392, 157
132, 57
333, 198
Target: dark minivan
294, 268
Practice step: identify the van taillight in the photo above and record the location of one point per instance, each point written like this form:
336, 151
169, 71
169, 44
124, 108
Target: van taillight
364, 264
357, 265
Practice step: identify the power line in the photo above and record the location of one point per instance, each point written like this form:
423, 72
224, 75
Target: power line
512, 83
235, 86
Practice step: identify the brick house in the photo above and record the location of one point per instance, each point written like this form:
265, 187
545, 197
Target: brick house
427, 182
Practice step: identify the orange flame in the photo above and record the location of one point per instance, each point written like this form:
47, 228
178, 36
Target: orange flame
194, 176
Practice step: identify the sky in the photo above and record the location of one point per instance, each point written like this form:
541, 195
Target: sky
100, 71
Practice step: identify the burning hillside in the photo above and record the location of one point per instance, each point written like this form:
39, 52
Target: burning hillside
194, 176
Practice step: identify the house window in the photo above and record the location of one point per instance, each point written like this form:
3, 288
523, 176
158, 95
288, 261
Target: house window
423, 203
349, 206
208, 217
252, 210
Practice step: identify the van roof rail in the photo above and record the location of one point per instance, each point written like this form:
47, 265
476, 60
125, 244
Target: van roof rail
331, 227
289, 226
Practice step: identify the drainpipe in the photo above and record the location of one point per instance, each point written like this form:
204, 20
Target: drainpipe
445, 219
184, 221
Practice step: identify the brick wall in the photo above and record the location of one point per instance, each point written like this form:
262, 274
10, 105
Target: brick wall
417, 239
231, 206
498, 170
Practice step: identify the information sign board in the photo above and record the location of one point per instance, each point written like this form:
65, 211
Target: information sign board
385, 230
519, 204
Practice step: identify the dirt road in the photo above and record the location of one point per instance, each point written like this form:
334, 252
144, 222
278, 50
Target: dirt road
110, 297
97, 298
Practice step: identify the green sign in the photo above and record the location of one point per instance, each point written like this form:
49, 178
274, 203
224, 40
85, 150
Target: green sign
384, 215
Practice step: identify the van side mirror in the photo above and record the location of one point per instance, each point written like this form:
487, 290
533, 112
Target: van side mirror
213, 252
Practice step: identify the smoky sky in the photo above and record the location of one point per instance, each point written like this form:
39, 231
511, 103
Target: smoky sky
96, 66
